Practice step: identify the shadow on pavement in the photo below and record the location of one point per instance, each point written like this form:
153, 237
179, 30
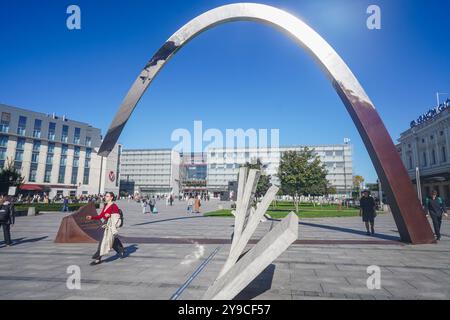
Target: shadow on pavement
259, 285
346, 230
150, 222
22, 241
128, 251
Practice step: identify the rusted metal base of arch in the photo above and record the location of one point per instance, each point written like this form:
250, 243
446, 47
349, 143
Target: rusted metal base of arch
406, 209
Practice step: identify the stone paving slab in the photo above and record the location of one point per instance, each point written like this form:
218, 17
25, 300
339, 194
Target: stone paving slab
36, 267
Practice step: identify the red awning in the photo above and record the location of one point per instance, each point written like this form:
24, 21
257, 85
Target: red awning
30, 187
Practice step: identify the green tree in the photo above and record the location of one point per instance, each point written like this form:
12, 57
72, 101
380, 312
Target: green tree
357, 183
302, 173
330, 189
10, 177
264, 180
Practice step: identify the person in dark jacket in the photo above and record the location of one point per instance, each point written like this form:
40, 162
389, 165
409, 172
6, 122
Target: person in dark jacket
7, 218
435, 208
367, 211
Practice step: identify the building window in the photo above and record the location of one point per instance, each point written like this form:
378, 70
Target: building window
19, 155
4, 141
64, 149
22, 125
36, 146
49, 159
37, 128
62, 173
444, 154
88, 153
433, 156
76, 152
20, 144
441, 133
86, 176
410, 162
35, 157
63, 161
48, 173
51, 148
4, 123
75, 162
87, 163
74, 176
33, 171
88, 141
65, 133
432, 137
76, 136
424, 159
51, 131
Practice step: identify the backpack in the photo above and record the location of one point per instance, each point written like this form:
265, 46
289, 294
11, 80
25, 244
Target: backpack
4, 214
121, 218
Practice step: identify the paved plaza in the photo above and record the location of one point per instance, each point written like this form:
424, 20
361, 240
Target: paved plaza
329, 261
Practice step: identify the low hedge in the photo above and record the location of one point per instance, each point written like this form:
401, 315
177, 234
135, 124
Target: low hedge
50, 207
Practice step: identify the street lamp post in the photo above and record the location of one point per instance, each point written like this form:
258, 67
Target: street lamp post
419, 188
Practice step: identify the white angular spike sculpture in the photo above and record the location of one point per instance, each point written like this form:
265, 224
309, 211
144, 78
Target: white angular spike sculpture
238, 272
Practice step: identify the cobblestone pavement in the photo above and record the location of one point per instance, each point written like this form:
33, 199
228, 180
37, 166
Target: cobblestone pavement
158, 264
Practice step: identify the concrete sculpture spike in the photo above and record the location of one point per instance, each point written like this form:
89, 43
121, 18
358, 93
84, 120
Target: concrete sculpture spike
255, 261
408, 214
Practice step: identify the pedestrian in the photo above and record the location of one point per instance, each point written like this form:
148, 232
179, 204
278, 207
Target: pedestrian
435, 208
367, 211
152, 203
111, 215
171, 200
190, 204
197, 205
145, 206
65, 204
7, 218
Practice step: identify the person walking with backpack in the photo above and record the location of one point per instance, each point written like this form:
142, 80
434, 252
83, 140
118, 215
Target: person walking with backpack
111, 214
435, 208
7, 218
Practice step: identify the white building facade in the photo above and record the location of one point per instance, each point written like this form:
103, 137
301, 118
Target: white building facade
223, 165
56, 155
150, 171
426, 147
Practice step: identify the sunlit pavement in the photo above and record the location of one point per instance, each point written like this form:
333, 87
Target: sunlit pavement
329, 261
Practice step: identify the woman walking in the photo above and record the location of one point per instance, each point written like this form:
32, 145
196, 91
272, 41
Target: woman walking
111, 215
197, 204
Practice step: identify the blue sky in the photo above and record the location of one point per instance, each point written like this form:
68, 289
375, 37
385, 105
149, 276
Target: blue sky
237, 75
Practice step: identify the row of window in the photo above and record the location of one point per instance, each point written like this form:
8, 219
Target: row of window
48, 172
18, 159
424, 158
22, 124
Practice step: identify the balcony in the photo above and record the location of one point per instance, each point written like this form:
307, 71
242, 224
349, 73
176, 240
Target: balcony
36, 133
4, 128
21, 131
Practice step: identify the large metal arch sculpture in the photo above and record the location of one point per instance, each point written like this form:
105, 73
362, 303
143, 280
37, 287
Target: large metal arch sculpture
408, 214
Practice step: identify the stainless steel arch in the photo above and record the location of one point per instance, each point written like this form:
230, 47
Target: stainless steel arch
407, 211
